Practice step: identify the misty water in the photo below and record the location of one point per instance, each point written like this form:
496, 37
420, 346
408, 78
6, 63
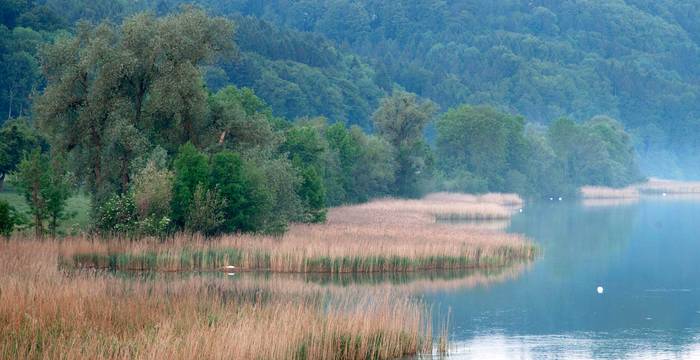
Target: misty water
643, 254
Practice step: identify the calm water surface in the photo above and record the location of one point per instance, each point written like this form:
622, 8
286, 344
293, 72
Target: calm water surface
645, 255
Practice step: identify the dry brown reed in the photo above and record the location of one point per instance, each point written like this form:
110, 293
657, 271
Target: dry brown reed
47, 314
380, 236
660, 186
493, 198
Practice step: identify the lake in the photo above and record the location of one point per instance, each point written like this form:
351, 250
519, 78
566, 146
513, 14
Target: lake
645, 255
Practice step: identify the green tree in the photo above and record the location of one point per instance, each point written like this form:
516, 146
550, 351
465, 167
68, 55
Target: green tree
313, 195
241, 120
57, 194
191, 170
17, 137
110, 90
31, 179
483, 142
401, 120
308, 151
247, 202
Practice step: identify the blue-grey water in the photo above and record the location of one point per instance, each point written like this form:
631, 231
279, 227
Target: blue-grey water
645, 255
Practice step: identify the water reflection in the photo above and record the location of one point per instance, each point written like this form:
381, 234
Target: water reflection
573, 346
411, 282
643, 254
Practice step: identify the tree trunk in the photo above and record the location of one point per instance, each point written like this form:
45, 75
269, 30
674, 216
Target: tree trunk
2, 182
9, 108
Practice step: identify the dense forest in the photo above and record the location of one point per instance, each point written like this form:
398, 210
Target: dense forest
633, 60
247, 115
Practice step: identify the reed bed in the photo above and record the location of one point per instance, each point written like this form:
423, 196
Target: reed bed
492, 198
602, 192
659, 186
46, 314
381, 236
440, 209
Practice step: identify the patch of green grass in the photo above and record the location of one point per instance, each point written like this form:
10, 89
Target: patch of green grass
78, 208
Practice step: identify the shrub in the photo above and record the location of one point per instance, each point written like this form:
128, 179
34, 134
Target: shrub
152, 188
118, 215
206, 213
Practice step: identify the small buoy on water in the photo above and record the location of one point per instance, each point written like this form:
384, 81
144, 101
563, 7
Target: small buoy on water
599, 289
521, 210
551, 199
663, 194
560, 198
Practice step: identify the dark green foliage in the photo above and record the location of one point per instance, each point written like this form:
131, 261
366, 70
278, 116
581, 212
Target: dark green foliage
119, 101
633, 60
313, 195
309, 154
484, 142
481, 149
17, 137
246, 201
191, 170
301, 74
8, 218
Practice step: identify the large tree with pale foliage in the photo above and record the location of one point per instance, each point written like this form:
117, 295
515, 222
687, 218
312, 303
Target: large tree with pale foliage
401, 120
113, 92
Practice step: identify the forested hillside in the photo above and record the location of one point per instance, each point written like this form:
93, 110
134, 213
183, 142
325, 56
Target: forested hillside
634, 60
228, 116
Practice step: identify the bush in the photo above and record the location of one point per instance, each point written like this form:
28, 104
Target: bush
152, 188
206, 213
118, 215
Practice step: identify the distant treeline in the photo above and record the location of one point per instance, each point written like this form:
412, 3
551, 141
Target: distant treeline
128, 113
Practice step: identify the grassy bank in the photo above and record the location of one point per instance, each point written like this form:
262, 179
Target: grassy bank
45, 313
77, 206
380, 236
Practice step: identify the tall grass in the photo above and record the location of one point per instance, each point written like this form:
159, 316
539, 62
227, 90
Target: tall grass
493, 198
660, 186
381, 236
45, 313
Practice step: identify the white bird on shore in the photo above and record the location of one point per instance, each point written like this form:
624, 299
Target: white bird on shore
229, 267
